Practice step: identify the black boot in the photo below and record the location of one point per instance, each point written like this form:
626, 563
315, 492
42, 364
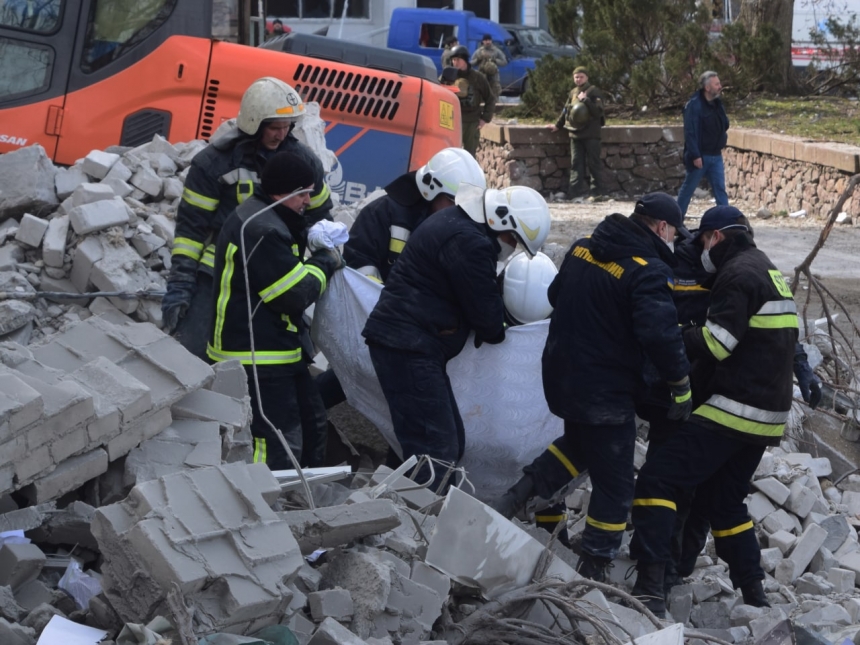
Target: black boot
670, 578
593, 567
754, 595
515, 498
649, 587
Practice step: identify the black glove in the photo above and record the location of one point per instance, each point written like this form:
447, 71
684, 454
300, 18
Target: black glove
181, 285
331, 257
810, 386
479, 340
682, 400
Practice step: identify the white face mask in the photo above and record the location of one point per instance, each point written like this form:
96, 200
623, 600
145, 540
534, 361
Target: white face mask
671, 244
506, 250
707, 263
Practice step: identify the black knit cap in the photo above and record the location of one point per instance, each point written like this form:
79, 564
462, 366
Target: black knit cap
660, 206
286, 172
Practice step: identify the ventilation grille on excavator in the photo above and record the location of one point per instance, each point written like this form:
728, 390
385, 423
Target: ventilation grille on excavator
210, 100
349, 92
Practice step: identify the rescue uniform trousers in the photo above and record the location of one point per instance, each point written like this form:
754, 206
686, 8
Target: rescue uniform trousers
606, 451
195, 326
291, 401
423, 409
585, 154
719, 467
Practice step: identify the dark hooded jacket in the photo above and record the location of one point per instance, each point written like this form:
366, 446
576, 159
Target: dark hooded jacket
613, 307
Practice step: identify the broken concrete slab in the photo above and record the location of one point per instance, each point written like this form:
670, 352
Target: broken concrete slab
331, 603
331, 632
54, 242
19, 564
27, 183
183, 445
368, 579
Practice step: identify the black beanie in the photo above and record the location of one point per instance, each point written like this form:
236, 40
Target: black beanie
286, 172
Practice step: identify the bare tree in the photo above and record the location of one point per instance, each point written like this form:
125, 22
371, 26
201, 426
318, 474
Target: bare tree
757, 15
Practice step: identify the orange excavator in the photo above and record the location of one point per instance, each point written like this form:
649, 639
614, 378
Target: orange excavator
78, 75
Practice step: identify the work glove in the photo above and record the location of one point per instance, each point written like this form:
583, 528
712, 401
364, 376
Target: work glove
479, 340
181, 285
331, 258
807, 381
682, 400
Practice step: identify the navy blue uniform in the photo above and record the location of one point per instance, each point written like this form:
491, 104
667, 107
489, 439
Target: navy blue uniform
442, 288
613, 308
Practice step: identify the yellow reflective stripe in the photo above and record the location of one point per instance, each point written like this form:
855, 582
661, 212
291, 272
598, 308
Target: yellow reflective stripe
604, 525
263, 358
653, 501
785, 321
224, 289
550, 518
259, 450
778, 307
684, 397
639, 260
316, 272
199, 201
244, 189
564, 460
722, 334
719, 352
739, 423
320, 199
283, 284
747, 411
396, 246
209, 256
690, 287
740, 528
187, 247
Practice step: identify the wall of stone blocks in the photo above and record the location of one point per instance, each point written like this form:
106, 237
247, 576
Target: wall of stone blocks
772, 170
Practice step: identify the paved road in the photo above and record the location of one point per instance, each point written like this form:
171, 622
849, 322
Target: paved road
788, 246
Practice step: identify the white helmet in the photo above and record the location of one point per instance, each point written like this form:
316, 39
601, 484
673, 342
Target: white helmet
445, 171
268, 98
524, 287
518, 209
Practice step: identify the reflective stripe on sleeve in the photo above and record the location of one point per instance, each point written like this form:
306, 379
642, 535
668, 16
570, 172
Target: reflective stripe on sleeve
187, 247
742, 417
605, 526
199, 201
740, 528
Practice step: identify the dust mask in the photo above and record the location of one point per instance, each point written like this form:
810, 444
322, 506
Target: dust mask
707, 263
671, 244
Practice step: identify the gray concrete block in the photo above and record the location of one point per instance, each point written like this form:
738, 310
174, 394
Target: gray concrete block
137, 432
20, 405
31, 230
147, 181
131, 397
831, 614
162, 226
72, 473
781, 520
97, 164
705, 589
119, 171
230, 379
183, 445
800, 499
54, 242
87, 253
711, 615
27, 182
15, 634
430, 577
773, 488
120, 188
851, 500
62, 285
331, 603
9, 608
72, 442
332, 526
417, 606
331, 632
680, 602
742, 615
841, 579
806, 547
822, 561
368, 580
851, 562
67, 179
189, 372
782, 540
146, 243
90, 193
97, 216
19, 564
810, 583
66, 406
852, 606
10, 256
759, 506
774, 619
770, 557
172, 188
785, 572
211, 406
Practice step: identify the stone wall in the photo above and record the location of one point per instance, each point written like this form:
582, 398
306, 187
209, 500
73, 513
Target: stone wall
775, 171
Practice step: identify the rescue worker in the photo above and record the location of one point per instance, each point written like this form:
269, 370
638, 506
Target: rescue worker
382, 228
221, 177
442, 288
742, 362
487, 59
692, 296
477, 102
282, 285
613, 306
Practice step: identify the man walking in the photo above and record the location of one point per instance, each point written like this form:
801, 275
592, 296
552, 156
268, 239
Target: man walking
613, 308
477, 102
743, 357
705, 127
488, 59
583, 118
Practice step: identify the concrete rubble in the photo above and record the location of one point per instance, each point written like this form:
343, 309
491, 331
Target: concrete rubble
120, 450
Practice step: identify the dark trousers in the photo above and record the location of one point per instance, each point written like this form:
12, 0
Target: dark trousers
291, 401
719, 467
585, 154
606, 451
195, 327
471, 137
423, 408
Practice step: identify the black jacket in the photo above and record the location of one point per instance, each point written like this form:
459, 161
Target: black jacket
382, 228
746, 347
282, 286
692, 284
221, 177
613, 308
442, 287
705, 128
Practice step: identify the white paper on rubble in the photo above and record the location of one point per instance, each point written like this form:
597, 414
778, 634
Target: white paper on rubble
62, 631
498, 387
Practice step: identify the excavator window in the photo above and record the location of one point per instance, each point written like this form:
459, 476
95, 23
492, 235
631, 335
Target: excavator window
116, 26
25, 68
41, 16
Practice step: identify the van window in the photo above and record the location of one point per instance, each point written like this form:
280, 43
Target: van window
433, 36
116, 26
317, 9
42, 16
25, 68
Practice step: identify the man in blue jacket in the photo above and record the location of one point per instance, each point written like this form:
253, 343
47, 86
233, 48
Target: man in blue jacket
705, 127
613, 307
